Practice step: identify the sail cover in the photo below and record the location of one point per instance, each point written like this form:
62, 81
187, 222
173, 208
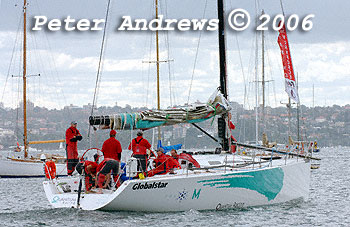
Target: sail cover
216, 105
290, 85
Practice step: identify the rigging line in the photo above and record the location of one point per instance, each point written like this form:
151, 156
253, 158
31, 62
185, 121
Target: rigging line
13, 52
250, 73
52, 60
144, 54
143, 70
171, 69
98, 78
39, 59
150, 12
149, 69
271, 72
268, 77
244, 79
168, 50
174, 87
54, 64
195, 59
18, 79
303, 125
274, 92
241, 63
245, 96
18, 105
282, 8
272, 58
30, 42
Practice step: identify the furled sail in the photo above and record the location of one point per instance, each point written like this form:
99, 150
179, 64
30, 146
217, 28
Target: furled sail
216, 105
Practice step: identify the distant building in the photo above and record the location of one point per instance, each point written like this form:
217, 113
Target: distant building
340, 124
6, 132
71, 107
88, 106
320, 119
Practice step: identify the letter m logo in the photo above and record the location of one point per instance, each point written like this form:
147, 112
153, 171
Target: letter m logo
196, 194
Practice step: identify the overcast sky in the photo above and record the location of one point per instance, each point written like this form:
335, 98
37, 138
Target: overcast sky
68, 61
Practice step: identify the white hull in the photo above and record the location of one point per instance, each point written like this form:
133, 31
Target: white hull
10, 168
200, 191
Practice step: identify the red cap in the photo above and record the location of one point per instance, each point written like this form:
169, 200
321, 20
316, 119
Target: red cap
112, 133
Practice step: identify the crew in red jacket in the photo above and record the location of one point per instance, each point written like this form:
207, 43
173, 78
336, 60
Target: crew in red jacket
104, 171
72, 138
174, 154
163, 164
139, 147
90, 170
111, 148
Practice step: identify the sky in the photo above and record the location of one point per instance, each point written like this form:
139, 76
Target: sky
68, 61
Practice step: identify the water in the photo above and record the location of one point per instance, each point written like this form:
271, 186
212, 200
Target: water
23, 203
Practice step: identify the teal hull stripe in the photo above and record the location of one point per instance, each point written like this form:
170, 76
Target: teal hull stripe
267, 182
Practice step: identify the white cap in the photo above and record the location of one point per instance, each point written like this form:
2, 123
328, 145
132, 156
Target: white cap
42, 157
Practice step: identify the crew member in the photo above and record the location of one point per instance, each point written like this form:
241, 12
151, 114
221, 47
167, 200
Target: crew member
174, 154
104, 171
111, 148
163, 164
139, 147
90, 169
72, 138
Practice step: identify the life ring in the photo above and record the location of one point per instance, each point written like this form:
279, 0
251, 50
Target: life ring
50, 170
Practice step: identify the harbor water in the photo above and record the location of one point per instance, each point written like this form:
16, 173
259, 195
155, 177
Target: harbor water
23, 203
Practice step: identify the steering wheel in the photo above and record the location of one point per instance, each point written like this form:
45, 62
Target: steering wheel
99, 152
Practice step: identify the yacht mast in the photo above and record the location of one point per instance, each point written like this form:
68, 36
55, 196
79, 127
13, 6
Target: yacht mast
289, 105
313, 102
263, 74
223, 75
256, 88
25, 140
158, 89
298, 112
256, 93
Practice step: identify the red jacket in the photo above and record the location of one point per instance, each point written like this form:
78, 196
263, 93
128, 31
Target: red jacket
139, 145
90, 163
176, 157
88, 177
72, 148
111, 148
166, 162
173, 163
102, 177
102, 164
163, 164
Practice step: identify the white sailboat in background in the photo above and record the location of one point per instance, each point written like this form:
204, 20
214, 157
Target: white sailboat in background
14, 165
230, 185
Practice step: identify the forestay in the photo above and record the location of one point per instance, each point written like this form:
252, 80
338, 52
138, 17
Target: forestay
216, 105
